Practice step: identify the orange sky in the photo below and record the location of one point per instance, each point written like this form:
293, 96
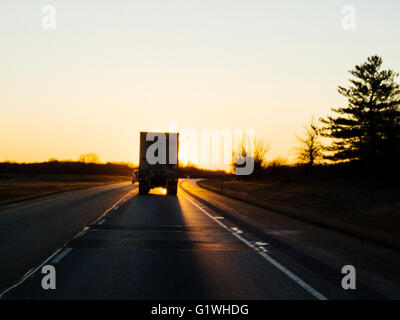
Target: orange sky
110, 70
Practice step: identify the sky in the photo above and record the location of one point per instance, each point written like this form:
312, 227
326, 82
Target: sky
111, 69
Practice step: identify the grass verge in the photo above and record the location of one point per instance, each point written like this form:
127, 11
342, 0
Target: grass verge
370, 212
18, 187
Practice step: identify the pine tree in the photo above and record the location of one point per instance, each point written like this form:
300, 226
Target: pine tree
368, 128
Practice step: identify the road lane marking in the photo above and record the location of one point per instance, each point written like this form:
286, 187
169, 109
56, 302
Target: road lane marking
260, 243
81, 233
263, 254
114, 206
58, 258
34, 270
33, 204
237, 230
29, 273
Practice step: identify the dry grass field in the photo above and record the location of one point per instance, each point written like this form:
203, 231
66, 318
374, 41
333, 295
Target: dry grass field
17, 187
356, 207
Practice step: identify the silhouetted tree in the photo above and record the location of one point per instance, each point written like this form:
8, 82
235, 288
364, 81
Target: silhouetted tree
90, 157
278, 162
368, 128
260, 149
310, 148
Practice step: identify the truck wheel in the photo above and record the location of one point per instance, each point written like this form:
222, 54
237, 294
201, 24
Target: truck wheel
143, 190
172, 191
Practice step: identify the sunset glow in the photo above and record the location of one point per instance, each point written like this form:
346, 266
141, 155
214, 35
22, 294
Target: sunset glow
95, 81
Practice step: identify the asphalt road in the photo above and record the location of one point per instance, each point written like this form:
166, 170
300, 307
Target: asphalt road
31, 230
165, 247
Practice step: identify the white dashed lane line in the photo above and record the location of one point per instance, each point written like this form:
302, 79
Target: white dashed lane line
262, 253
58, 258
60, 253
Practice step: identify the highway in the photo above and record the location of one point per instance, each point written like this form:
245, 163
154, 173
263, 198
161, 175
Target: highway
109, 242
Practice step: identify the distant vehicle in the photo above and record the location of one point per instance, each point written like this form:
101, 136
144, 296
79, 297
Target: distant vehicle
154, 173
135, 176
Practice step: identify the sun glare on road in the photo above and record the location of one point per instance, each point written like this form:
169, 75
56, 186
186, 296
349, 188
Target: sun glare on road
159, 191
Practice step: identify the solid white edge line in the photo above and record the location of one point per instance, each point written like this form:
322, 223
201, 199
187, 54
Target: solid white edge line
58, 258
33, 270
275, 263
29, 273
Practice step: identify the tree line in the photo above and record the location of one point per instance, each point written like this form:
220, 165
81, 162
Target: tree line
66, 167
366, 131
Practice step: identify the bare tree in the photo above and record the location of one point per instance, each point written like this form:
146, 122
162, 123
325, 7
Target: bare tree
243, 149
90, 157
309, 149
278, 162
260, 151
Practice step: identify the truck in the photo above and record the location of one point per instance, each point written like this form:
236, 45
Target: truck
135, 176
158, 162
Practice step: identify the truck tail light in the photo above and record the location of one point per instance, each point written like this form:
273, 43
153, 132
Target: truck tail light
176, 179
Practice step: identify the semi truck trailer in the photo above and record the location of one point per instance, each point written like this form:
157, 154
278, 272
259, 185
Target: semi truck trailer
158, 163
